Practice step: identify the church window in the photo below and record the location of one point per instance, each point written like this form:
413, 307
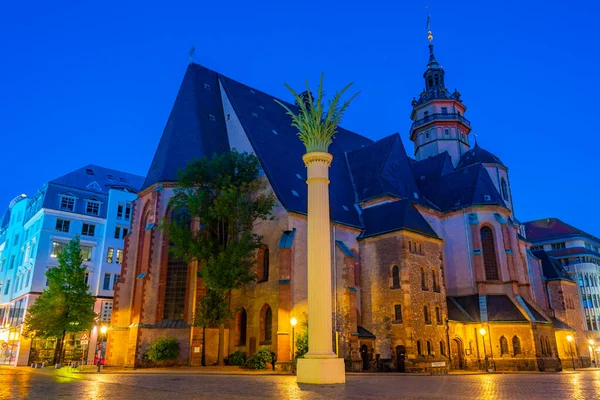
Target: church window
447, 132
395, 277
241, 320
428, 348
177, 272
424, 285
516, 342
436, 80
442, 348
504, 189
489, 254
419, 350
426, 315
503, 346
266, 325
398, 313
263, 264
444, 110
438, 315
436, 281
430, 81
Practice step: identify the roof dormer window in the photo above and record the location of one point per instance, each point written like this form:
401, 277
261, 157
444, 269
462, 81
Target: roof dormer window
92, 207
67, 202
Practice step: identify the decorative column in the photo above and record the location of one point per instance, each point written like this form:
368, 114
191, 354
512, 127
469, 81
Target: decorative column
320, 365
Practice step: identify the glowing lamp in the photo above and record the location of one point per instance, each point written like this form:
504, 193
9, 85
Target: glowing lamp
570, 338
482, 331
103, 330
293, 321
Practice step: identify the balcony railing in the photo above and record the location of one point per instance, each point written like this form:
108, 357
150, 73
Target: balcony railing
440, 116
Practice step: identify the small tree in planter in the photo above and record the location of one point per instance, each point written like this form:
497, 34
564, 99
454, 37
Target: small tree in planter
163, 351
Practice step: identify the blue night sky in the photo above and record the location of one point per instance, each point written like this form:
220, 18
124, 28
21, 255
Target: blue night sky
93, 82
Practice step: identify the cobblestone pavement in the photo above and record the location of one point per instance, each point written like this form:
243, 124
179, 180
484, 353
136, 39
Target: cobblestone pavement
22, 383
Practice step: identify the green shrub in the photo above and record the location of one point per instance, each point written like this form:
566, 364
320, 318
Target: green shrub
237, 358
302, 344
260, 359
163, 349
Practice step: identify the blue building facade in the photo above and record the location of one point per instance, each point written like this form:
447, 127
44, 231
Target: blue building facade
92, 202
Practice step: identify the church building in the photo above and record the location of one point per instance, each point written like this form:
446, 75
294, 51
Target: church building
429, 263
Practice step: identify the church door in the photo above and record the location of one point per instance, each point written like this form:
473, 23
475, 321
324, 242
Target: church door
456, 348
400, 357
364, 354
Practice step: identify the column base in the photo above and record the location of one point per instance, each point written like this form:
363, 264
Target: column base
321, 371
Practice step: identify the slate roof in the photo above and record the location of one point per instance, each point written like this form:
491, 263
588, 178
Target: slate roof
364, 333
500, 308
536, 315
461, 188
553, 228
382, 168
432, 167
394, 216
477, 155
558, 324
551, 267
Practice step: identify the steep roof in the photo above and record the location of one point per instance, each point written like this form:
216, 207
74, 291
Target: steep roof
195, 128
477, 155
499, 308
551, 267
432, 167
394, 216
382, 168
464, 187
553, 228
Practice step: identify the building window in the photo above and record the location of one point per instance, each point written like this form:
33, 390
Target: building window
419, 350
424, 285
106, 284
88, 230
426, 315
116, 280
7, 287
266, 325
110, 254
447, 132
442, 348
86, 278
120, 209
62, 225
106, 311
438, 315
436, 281
536, 248
263, 263
67, 203
395, 277
120, 257
12, 262
580, 280
516, 342
117, 232
92, 207
57, 248
427, 134
504, 189
489, 254
16, 240
444, 110
503, 346
240, 327
86, 253
398, 313
558, 246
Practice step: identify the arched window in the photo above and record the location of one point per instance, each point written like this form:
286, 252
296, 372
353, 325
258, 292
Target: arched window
395, 277
504, 189
424, 285
263, 264
428, 348
426, 315
176, 276
419, 350
516, 342
489, 254
442, 348
436, 281
542, 346
241, 321
548, 347
266, 325
503, 346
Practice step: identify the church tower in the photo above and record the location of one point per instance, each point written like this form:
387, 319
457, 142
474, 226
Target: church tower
438, 117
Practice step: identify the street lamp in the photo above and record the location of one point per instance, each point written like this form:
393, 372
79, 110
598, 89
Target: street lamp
483, 332
293, 322
570, 339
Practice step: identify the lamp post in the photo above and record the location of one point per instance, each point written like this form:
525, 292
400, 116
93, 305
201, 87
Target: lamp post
593, 350
570, 339
485, 357
103, 330
293, 322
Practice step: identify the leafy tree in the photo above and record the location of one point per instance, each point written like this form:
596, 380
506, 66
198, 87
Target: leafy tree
66, 304
224, 198
317, 125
